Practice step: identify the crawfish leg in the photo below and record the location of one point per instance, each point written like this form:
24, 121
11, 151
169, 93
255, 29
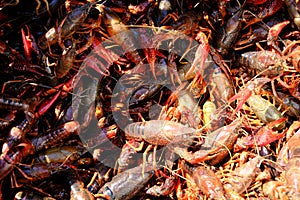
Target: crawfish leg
145, 158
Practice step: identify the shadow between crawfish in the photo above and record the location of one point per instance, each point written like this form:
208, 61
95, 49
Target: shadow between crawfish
86, 85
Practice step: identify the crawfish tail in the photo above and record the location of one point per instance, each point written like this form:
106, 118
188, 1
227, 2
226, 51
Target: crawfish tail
13, 104
55, 137
126, 184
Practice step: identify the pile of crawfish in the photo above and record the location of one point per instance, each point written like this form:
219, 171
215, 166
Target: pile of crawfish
150, 99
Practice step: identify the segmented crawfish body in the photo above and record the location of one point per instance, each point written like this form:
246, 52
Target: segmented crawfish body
207, 181
13, 104
126, 184
265, 62
159, 132
51, 139
17, 133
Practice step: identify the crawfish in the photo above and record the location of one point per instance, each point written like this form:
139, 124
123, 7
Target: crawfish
126, 154
269, 8
104, 174
221, 89
17, 133
265, 111
215, 147
187, 106
122, 36
54, 137
230, 32
17, 153
262, 108
60, 155
292, 105
28, 105
264, 136
265, 62
126, 184
242, 177
13, 104
159, 132
67, 27
288, 159
37, 172
66, 62
207, 181
165, 188
12, 157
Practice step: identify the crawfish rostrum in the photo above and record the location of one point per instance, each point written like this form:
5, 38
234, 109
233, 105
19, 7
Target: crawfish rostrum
188, 99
